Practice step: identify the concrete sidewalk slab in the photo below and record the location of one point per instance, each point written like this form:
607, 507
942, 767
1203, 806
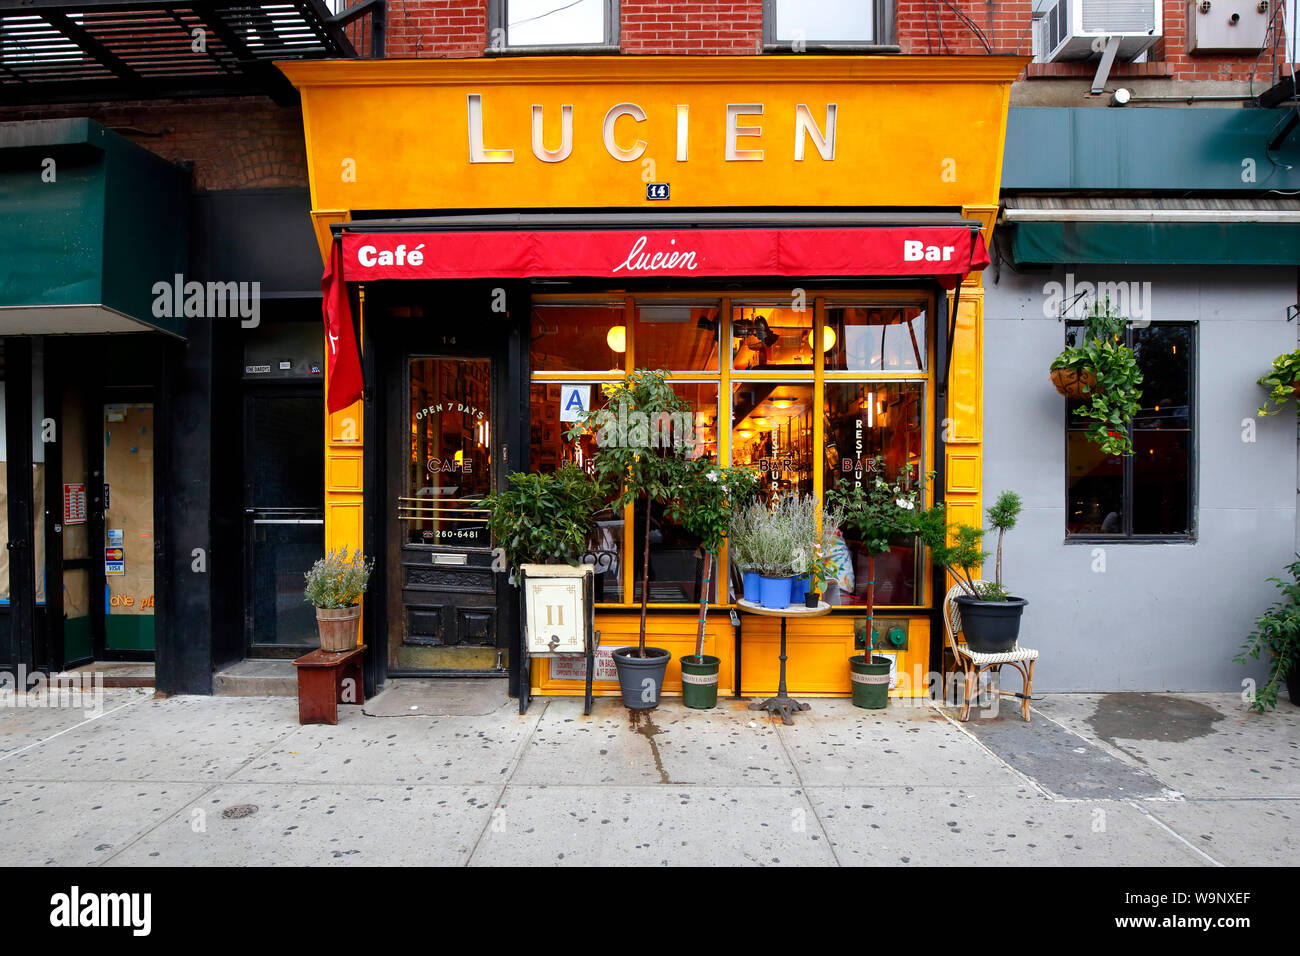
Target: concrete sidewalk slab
440, 697
654, 826
452, 751
989, 826
1203, 745
82, 824
908, 745
1236, 832
200, 739
34, 722
669, 745
297, 825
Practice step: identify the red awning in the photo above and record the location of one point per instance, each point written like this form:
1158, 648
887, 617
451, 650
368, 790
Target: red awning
946, 253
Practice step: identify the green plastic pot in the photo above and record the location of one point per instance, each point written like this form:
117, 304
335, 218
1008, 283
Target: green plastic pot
870, 682
700, 681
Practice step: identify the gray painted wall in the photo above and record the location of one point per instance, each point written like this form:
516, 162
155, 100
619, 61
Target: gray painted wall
1162, 617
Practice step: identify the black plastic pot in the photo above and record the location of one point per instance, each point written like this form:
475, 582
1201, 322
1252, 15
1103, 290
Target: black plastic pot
641, 678
812, 599
990, 627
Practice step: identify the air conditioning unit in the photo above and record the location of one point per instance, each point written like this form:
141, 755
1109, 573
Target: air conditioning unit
1079, 29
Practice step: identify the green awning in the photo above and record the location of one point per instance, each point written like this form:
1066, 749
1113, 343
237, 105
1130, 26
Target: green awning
90, 223
1117, 230
1162, 243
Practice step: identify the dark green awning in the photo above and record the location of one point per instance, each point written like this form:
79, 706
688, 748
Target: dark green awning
1156, 243
90, 223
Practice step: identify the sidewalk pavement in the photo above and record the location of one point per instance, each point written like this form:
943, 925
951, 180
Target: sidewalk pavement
1116, 779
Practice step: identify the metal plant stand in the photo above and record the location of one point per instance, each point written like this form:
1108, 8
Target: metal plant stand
783, 703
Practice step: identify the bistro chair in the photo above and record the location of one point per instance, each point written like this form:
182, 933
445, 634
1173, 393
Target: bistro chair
974, 663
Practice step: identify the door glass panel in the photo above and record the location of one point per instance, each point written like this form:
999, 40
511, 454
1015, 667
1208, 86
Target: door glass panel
449, 466
772, 426
128, 527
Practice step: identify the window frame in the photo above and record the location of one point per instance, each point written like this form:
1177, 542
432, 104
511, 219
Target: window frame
1193, 454
885, 41
496, 20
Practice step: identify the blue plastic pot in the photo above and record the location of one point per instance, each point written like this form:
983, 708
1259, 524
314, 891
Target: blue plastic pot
798, 588
774, 593
751, 587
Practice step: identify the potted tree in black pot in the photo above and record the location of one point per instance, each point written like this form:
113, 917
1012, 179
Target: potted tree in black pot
706, 500
644, 438
990, 616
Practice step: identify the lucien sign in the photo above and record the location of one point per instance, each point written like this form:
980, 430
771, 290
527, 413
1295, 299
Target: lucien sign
741, 120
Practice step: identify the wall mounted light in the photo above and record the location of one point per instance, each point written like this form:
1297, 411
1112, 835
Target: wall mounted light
828, 338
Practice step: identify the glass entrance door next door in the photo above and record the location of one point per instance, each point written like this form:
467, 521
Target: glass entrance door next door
443, 609
128, 501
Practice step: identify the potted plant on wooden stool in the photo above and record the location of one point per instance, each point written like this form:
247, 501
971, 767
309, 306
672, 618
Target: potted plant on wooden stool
880, 512
335, 584
704, 506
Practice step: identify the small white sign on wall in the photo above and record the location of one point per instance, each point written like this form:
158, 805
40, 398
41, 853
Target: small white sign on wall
575, 401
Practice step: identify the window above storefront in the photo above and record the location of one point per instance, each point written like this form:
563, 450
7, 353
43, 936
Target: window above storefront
561, 26
822, 26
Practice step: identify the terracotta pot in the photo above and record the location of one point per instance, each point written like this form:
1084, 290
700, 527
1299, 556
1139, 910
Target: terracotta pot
338, 628
1070, 382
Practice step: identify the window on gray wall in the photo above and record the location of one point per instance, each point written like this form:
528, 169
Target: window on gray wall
1150, 495
826, 25
569, 26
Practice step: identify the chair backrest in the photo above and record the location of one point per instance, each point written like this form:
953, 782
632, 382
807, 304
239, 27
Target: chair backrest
952, 616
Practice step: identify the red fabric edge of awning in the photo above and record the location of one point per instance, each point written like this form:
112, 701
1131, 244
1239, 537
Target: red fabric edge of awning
945, 253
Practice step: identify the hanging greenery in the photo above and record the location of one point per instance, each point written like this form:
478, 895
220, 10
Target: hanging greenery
1112, 396
1281, 383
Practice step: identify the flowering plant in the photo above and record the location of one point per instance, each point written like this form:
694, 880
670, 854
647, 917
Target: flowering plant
337, 580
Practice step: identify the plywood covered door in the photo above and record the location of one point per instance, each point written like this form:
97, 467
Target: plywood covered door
128, 527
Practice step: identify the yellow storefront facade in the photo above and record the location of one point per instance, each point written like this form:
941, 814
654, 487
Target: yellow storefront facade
504, 177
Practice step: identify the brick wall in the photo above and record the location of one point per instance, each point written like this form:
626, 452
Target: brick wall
454, 28
238, 143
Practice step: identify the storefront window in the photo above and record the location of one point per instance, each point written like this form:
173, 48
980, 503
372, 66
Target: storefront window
1149, 493
872, 339
772, 432
771, 337
865, 420
675, 560
771, 410
579, 338
550, 447
681, 337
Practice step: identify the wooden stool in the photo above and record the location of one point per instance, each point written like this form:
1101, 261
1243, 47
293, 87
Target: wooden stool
321, 686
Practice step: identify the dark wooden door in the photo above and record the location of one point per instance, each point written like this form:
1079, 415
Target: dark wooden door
443, 450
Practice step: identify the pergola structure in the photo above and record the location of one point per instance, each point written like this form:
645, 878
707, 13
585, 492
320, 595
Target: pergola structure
52, 51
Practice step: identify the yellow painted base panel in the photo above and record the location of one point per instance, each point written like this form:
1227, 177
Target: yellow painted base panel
817, 651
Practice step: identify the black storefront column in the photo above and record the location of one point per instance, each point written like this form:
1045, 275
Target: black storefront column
183, 512
22, 553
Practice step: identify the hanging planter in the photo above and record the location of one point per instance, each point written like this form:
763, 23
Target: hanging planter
1282, 382
1073, 382
1103, 372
